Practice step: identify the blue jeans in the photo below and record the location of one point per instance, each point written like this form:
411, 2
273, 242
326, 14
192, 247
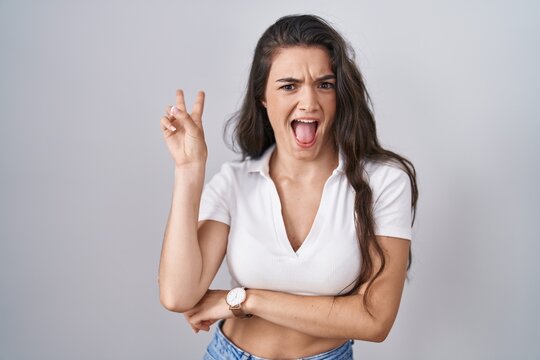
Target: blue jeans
221, 348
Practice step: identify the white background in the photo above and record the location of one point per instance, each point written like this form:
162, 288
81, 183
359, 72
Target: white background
86, 178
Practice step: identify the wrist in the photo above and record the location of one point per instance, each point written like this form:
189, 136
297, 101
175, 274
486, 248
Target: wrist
249, 304
236, 299
192, 168
192, 174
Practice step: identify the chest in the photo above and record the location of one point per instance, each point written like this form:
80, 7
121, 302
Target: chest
260, 255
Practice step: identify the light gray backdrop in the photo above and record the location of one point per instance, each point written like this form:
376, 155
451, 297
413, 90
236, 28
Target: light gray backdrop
86, 179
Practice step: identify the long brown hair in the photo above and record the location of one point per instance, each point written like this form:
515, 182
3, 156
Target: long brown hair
353, 129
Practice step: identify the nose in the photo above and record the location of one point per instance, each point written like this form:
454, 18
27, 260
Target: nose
308, 100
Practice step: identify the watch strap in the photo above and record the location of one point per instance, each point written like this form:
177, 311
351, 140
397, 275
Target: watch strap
240, 313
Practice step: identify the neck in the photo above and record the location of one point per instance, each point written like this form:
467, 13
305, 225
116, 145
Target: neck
286, 165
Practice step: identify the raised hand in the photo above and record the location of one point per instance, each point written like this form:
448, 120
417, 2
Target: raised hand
183, 132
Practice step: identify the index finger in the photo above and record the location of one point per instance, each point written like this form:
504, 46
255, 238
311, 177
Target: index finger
180, 102
196, 113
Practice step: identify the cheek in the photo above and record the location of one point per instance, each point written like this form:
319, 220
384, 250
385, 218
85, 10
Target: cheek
330, 106
273, 117
278, 108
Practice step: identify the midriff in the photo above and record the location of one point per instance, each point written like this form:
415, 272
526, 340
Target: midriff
264, 339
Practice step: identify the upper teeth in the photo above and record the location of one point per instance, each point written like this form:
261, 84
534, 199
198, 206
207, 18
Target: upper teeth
306, 121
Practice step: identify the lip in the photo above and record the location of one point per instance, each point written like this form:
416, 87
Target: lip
305, 146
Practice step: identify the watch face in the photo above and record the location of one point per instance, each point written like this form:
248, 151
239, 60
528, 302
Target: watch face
236, 296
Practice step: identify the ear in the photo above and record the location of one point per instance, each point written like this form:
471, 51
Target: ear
263, 103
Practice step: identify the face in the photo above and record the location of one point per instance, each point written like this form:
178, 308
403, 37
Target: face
300, 99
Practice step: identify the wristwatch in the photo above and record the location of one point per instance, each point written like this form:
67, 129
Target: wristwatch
235, 298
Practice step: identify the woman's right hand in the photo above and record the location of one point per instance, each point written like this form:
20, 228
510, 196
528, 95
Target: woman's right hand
183, 132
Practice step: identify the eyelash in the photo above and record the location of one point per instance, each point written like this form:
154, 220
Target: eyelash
285, 87
330, 86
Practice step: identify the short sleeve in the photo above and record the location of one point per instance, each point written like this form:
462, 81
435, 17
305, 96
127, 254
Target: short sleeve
392, 211
216, 195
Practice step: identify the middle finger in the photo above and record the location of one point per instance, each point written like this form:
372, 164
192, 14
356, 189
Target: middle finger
180, 102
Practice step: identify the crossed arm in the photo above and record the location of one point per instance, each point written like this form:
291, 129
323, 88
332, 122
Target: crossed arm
322, 316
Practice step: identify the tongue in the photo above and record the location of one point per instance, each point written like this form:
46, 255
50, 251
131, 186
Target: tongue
305, 133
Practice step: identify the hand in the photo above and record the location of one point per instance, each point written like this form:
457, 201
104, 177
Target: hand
211, 308
183, 133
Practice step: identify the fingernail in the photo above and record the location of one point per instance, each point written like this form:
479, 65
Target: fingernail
174, 110
172, 128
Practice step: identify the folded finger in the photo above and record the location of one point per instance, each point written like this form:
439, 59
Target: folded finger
193, 327
166, 124
169, 110
205, 325
184, 119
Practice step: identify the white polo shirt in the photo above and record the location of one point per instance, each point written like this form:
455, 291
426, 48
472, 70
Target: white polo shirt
259, 254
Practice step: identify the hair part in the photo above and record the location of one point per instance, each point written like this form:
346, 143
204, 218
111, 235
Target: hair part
353, 130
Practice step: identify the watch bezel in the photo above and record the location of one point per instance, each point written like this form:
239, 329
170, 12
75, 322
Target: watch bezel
232, 292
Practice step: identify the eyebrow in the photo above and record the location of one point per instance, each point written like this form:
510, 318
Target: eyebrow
293, 80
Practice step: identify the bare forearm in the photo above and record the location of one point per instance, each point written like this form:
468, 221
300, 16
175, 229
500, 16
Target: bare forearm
346, 317
315, 315
181, 261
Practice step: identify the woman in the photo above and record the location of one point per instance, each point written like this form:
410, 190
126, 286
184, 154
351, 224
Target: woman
315, 220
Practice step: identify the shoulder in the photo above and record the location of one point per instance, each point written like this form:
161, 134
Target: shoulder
384, 173
235, 167
244, 167
388, 181
232, 171
392, 199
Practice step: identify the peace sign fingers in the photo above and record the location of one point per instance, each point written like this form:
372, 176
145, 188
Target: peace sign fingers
183, 133
180, 102
198, 107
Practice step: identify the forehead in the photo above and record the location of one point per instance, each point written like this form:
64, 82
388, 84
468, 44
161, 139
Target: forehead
299, 60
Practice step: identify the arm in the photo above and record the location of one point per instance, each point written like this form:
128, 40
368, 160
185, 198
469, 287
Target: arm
319, 315
189, 259
346, 317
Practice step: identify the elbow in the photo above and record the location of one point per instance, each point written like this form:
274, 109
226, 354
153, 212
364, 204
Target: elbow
380, 335
174, 302
171, 305
175, 305
377, 333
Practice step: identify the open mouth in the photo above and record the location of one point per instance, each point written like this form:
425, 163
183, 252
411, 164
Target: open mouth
305, 131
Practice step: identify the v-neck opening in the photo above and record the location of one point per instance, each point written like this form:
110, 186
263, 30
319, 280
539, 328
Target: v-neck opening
279, 221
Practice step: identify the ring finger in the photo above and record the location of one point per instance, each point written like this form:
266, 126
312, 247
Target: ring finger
166, 124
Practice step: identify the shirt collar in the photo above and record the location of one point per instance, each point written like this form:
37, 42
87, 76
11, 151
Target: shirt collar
262, 164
